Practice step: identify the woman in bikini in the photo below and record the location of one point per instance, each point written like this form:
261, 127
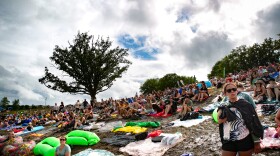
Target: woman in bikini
259, 91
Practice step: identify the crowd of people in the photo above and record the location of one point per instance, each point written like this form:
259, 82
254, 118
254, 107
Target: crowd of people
264, 81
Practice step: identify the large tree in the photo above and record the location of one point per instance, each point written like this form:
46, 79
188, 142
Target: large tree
5, 102
16, 104
91, 64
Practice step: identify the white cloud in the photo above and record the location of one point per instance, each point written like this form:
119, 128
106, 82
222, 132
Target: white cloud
30, 30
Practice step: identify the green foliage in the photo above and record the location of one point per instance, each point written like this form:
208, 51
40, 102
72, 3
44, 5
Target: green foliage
15, 104
169, 80
33, 107
244, 58
26, 107
91, 65
4, 102
149, 86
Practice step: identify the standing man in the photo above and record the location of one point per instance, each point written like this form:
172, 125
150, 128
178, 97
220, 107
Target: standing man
77, 106
85, 103
55, 109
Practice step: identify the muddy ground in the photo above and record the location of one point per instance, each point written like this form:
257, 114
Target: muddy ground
202, 139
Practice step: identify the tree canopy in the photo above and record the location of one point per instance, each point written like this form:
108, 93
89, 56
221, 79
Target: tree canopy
5, 102
246, 57
169, 80
91, 64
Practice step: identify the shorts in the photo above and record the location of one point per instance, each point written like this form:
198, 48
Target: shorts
240, 145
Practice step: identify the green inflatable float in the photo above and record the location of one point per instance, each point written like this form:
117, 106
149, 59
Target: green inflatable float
215, 115
143, 124
47, 146
80, 137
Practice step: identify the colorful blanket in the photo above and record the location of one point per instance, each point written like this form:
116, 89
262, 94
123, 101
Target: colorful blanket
147, 147
271, 138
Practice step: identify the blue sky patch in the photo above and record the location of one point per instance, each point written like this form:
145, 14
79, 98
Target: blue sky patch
183, 16
137, 47
194, 28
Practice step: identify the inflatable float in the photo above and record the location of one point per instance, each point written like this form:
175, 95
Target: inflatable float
143, 124
35, 129
47, 146
80, 137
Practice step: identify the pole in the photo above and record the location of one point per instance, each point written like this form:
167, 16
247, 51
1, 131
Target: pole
46, 100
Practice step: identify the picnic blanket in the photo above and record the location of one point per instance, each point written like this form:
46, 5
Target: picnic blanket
109, 126
147, 147
210, 107
271, 138
96, 152
189, 123
119, 140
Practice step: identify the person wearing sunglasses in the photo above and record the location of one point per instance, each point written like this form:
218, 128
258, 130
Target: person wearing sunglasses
63, 149
239, 126
242, 95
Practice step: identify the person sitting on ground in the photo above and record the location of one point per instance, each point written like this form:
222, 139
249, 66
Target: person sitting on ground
190, 91
176, 97
5, 124
259, 92
170, 106
149, 105
140, 109
186, 107
229, 78
203, 92
196, 92
273, 90
63, 149
266, 78
105, 113
277, 120
29, 127
88, 113
159, 106
124, 110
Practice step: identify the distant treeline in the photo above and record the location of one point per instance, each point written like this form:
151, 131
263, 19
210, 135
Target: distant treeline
15, 105
246, 57
169, 80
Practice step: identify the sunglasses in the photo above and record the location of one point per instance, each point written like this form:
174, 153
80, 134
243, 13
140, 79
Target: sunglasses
232, 89
62, 139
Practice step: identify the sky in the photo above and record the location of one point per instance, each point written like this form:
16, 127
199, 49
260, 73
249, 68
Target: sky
186, 37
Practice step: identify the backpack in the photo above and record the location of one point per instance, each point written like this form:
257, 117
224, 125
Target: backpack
190, 115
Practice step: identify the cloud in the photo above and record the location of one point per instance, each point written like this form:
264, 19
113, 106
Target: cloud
267, 23
205, 49
183, 37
